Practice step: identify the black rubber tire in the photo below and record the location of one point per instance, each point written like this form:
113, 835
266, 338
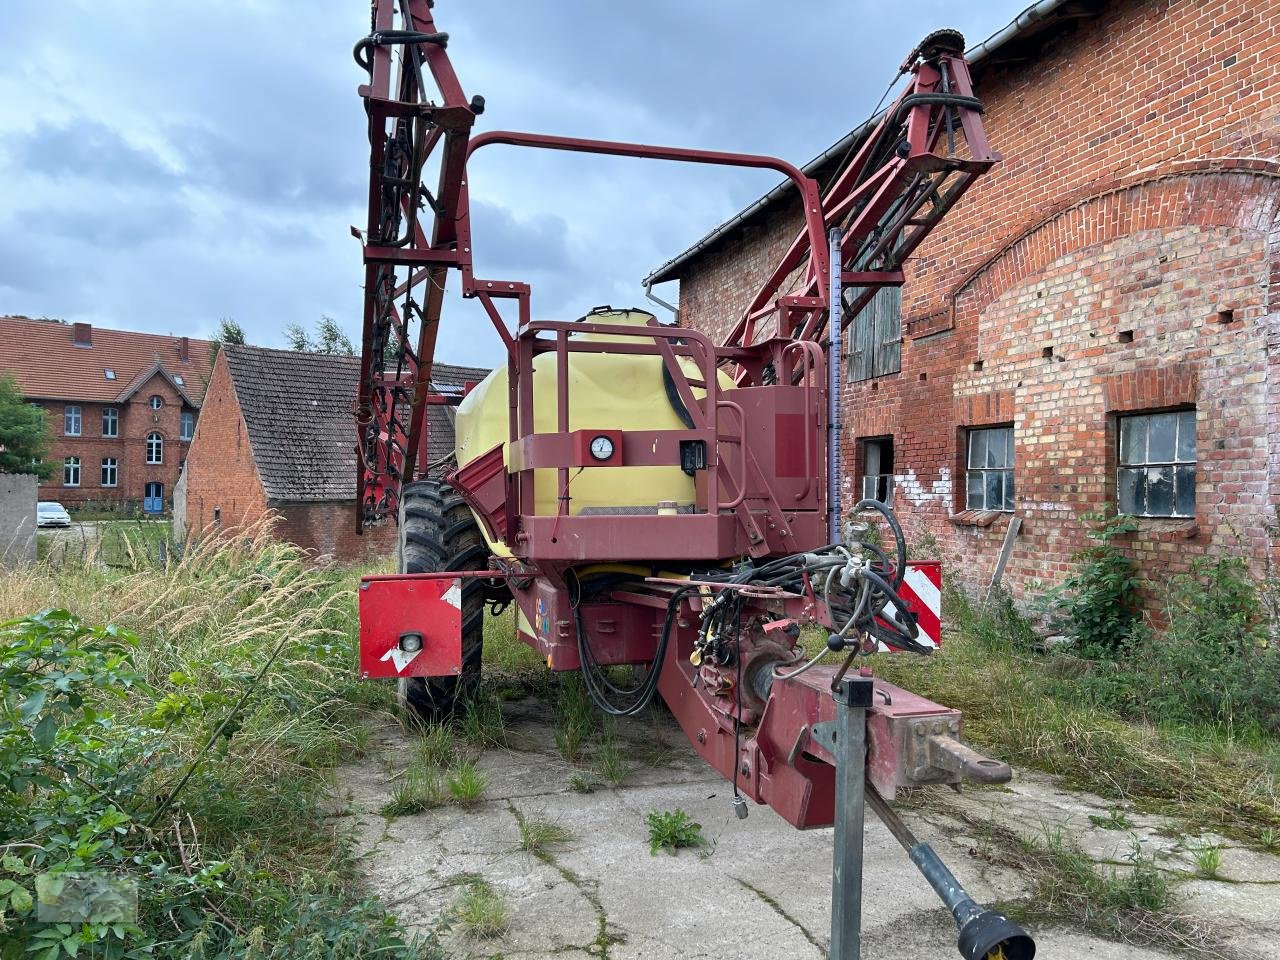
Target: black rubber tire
438, 533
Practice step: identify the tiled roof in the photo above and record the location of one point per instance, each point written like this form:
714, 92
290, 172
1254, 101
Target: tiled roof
298, 407
48, 364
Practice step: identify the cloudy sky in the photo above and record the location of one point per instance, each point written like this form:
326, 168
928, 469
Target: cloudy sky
163, 165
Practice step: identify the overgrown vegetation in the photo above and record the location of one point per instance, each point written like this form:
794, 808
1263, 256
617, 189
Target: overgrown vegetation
1211, 660
181, 752
1100, 723
1128, 904
1098, 603
672, 831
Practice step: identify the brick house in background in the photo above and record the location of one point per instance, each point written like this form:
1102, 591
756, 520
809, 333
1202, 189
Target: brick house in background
279, 436
121, 407
1096, 322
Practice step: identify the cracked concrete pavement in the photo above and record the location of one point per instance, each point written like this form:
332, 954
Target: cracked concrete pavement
762, 890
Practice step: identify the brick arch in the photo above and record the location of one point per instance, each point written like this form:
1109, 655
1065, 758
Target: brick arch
1244, 194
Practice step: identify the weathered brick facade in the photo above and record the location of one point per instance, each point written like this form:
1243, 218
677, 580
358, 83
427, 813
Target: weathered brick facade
223, 485
78, 367
1124, 257
137, 421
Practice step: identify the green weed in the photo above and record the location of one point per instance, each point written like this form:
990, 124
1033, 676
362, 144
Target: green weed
577, 719
581, 783
465, 783
1115, 819
418, 791
482, 724
1098, 603
537, 836
1208, 860
610, 760
1049, 712
673, 830
481, 910
435, 747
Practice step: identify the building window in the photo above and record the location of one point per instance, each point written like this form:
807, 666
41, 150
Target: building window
71, 421
109, 373
1157, 464
110, 422
108, 471
155, 448
71, 472
877, 470
989, 477
156, 401
188, 424
875, 336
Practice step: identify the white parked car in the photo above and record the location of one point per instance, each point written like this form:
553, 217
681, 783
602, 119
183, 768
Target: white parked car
50, 513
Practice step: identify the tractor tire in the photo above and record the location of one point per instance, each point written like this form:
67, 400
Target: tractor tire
438, 533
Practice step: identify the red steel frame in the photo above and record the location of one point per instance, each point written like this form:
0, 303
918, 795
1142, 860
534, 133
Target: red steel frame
753, 498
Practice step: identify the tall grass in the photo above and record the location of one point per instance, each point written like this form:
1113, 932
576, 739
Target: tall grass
1035, 710
207, 620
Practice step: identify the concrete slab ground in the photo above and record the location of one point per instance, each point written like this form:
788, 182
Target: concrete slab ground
761, 889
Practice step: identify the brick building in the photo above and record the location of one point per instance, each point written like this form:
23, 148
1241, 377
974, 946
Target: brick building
279, 436
121, 407
1096, 321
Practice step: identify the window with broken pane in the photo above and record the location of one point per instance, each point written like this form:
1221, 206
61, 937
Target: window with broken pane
1157, 464
989, 469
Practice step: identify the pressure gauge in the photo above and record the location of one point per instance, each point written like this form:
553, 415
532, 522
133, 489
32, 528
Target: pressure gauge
601, 448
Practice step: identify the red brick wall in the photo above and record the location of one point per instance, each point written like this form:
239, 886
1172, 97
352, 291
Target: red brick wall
1122, 205
222, 478
136, 421
329, 530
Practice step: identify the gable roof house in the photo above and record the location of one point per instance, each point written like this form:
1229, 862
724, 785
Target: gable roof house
1095, 322
280, 436
121, 407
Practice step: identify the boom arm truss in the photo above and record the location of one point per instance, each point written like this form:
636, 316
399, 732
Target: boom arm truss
921, 155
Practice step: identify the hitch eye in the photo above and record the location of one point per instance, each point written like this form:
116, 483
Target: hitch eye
410, 642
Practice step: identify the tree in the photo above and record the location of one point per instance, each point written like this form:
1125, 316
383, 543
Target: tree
329, 338
24, 439
229, 332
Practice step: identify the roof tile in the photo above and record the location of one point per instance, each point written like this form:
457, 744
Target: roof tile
297, 408
48, 365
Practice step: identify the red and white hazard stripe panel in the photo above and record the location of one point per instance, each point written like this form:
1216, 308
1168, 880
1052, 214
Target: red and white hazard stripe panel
922, 591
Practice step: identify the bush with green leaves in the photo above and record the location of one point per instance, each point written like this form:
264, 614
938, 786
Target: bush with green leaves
1098, 604
1214, 661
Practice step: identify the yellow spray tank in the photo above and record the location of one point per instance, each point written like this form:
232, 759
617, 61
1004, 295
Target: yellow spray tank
607, 391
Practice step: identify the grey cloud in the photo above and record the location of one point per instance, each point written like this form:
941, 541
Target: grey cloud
88, 150
503, 240
265, 149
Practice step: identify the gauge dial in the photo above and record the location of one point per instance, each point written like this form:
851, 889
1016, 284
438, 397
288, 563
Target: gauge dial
601, 448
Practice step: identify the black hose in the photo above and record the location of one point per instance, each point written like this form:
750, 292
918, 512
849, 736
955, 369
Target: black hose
598, 685
900, 541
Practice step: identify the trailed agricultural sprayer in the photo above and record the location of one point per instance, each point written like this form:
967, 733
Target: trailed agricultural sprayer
648, 498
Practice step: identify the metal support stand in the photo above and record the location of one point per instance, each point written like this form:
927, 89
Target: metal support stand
846, 739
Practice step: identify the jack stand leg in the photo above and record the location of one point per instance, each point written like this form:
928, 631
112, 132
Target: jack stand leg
846, 739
